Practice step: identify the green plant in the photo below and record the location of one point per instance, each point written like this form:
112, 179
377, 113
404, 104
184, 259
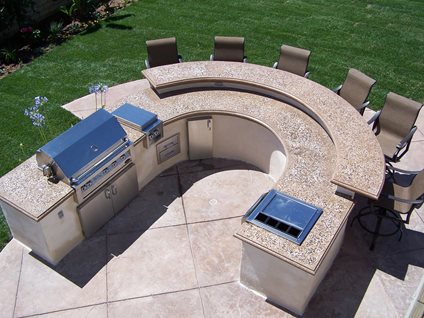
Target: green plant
5, 235
30, 35
83, 10
74, 27
9, 56
55, 30
68, 11
38, 120
36, 34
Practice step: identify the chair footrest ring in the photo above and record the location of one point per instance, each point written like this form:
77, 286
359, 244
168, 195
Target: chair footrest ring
379, 213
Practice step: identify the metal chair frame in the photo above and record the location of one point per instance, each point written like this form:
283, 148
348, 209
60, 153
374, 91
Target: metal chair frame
389, 214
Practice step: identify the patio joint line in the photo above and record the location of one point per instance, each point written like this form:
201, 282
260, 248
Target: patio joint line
62, 310
195, 268
189, 241
141, 231
220, 284
153, 295
19, 282
216, 220
180, 190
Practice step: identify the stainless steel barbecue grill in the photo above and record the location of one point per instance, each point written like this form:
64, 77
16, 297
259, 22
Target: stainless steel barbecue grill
86, 155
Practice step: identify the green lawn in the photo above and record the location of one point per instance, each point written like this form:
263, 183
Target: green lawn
384, 39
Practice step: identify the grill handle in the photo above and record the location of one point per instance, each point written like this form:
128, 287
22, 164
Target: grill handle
107, 194
114, 190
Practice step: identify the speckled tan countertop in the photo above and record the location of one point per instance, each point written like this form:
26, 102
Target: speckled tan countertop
314, 160
360, 162
26, 189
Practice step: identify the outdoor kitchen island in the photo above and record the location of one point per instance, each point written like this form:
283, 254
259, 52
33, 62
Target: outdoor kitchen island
309, 140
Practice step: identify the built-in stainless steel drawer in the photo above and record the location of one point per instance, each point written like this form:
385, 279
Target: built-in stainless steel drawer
168, 148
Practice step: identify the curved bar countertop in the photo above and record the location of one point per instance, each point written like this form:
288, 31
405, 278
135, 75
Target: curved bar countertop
360, 163
326, 143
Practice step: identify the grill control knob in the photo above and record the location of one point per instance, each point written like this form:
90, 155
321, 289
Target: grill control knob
106, 170
47, 171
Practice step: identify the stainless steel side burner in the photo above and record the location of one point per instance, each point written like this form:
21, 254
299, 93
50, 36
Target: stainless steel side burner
283, 215
141, 120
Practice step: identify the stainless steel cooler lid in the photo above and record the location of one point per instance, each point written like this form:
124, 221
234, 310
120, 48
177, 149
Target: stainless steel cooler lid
284, 215
79, 146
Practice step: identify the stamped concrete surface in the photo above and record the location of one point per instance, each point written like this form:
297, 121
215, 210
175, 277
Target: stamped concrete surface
158, 258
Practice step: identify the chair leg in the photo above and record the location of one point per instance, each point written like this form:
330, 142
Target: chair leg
380, 213
390, 173
376, 231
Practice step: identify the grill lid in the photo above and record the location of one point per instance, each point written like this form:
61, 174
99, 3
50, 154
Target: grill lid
284, 215
82, 145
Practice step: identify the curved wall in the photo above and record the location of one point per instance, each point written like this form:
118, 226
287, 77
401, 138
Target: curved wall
234, 137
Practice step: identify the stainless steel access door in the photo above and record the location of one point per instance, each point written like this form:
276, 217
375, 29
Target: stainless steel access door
200, 138
96, 212
124, 188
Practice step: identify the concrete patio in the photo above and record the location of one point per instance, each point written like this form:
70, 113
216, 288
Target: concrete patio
171, 253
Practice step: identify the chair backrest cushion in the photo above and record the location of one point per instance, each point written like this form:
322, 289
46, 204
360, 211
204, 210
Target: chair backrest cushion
356, 88
229, 48
293, 60
398, 115
162, 52
416, 189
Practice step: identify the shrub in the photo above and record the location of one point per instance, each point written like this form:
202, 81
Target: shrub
55, 30
83, 10
9, 56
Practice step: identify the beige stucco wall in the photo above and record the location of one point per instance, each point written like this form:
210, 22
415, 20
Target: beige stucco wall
281, 282
257, 145
52, 237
